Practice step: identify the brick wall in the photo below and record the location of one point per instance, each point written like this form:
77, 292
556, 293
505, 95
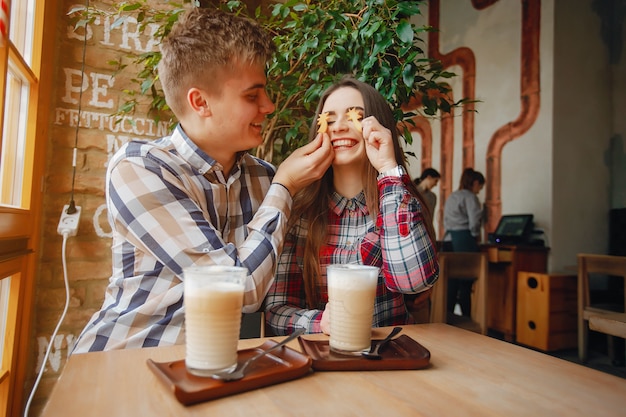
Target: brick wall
88, 253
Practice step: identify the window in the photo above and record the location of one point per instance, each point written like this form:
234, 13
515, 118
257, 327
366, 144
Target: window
24, 90
23, 28
18, 80
5, 287
14, 136
8, 284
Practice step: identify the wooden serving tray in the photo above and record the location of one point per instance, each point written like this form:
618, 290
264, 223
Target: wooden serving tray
400, 353
282, 365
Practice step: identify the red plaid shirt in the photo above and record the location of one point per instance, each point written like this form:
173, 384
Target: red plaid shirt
398, 243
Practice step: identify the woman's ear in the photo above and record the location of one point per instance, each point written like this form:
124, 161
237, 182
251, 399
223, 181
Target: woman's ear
198, 102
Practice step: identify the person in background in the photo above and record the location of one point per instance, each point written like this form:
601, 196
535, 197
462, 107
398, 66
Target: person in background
365, 210
462, 217
425, 183
198, 197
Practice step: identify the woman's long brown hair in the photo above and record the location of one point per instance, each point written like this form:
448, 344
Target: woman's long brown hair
312, 202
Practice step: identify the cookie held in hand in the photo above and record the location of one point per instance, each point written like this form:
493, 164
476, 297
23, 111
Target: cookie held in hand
356, 116
322, 122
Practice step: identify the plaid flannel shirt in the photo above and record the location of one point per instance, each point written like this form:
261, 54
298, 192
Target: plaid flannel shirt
398, 243
170, 206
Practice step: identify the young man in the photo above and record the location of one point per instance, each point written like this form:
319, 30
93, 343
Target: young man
197, 197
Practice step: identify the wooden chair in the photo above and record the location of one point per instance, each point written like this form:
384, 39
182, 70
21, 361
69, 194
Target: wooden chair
461, 265
600, 318
612, 323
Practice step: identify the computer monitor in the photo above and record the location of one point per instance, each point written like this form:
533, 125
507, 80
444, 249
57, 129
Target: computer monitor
513, 228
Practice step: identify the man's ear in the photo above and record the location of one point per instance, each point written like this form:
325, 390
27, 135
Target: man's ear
198, 102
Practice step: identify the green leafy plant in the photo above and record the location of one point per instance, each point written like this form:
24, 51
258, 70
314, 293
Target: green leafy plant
317, 42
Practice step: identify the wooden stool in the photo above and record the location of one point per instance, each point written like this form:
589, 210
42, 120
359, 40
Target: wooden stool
461, 265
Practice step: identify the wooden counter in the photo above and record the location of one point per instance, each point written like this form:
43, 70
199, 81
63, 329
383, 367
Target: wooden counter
505, 261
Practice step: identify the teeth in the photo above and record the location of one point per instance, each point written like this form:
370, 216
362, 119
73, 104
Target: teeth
342, 142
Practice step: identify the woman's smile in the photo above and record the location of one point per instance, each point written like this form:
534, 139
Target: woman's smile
344, 143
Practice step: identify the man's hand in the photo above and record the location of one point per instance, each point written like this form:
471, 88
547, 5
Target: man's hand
306, 164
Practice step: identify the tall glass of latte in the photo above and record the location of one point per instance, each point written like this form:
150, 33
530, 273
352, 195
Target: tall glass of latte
213, 301
351, 294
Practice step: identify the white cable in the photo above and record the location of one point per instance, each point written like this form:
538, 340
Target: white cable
67, 304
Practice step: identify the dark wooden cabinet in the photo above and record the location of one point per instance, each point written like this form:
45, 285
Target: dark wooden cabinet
505, 261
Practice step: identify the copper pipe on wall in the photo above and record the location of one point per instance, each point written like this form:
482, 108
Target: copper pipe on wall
423, 128
529, 102
464, 58
446, 164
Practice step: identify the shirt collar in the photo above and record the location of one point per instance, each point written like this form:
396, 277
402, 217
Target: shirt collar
339, 203
195, 156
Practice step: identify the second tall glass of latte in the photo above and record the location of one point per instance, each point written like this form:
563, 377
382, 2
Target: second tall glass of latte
213, 302
351, 295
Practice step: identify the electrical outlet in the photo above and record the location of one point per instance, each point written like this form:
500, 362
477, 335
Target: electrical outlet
68, 224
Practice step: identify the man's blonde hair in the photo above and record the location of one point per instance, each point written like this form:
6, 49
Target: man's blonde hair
202, 46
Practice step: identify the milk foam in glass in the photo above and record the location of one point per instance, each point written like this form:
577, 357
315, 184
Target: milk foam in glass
351, 295
213, 302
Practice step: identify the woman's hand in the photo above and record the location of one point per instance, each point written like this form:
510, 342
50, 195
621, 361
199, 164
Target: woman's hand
378, 144
325, 322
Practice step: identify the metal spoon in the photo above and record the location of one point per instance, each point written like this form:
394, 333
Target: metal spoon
373, 354
239, 371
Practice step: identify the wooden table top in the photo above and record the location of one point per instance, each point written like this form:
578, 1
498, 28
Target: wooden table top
469, 375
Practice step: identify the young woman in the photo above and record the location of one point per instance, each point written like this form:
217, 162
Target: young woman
462, 217
364, 210
463, 213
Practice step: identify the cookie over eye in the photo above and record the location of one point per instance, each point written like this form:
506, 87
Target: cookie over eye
356, 116
322, 122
